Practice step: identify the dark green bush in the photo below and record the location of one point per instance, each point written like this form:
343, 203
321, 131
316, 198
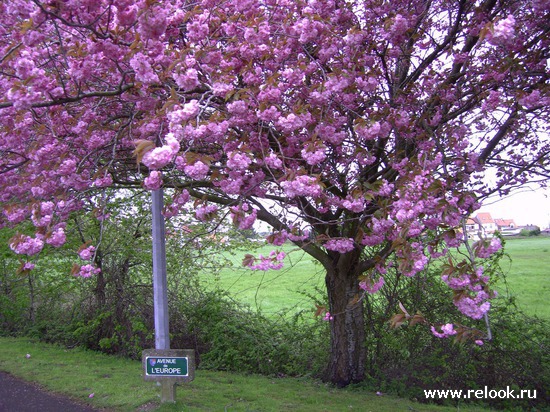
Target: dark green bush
232, 337
530, 232
408, 360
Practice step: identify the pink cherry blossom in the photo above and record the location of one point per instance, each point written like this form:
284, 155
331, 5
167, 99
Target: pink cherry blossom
446, 331
153, 181
340, 245
328, 317
238, 161
486, 248
204, 213
87, 271
26, 245
143, 69
87, 253
28, 266
361, 134
503, 30
57, 237
369, 286
314, 157
301, 186
272, 262
243, 216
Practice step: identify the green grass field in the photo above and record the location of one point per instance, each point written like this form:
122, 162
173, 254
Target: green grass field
528, 274
527, 279
117, 384
274, 291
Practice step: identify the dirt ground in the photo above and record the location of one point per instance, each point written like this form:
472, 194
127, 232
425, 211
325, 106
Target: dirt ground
17, 395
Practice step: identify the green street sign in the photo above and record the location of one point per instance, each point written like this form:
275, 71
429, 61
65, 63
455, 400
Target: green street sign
175, 365
166, 366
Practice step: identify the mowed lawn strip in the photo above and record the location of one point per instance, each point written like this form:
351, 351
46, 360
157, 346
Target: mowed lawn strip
117, 384
527, 276
274, 291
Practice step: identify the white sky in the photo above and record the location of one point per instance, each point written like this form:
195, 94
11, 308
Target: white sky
525, 206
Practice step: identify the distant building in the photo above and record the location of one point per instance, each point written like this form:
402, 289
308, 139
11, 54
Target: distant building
483, 225
507, 227
487, 223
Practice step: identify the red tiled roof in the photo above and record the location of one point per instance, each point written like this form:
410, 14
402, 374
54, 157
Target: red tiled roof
485, 218
505, 222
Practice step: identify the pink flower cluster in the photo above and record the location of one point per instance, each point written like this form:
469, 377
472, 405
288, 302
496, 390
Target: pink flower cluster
161, 156
446, 331
87, 271
355, 205
342, 245
26, 245
204, 213
188, 80
485, 248
153, 181
314, 156
291, 122
238, 161
278, 238
103, 181
302, 186
43, 214
273, 162
272, 262
243, 216
197, 170
143, 70
184, 113
474, 300
178, 201
503, 31
28, 266
474, 306
368, 285
87, 253
534, 99
328, 317
57, 237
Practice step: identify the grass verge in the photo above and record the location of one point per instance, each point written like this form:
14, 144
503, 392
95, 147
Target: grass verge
117, 385
527, 279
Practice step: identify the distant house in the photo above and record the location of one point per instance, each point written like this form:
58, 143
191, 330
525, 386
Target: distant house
487, 223
473, 228
507, 227
483, 225
505, 224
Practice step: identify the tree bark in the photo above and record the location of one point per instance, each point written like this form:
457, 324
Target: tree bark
347, 331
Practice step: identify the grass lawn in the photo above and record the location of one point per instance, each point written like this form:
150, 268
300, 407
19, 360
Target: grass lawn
527, 279
117, 384
528, 274
273, 291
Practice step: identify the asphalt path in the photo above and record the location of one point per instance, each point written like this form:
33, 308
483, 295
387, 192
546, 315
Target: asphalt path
17, 395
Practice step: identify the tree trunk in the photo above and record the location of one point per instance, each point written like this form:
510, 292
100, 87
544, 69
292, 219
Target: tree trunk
347, 337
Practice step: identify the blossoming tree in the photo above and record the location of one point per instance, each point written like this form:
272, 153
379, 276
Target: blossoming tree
353, 129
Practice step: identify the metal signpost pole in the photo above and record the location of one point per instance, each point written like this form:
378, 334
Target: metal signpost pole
160, 294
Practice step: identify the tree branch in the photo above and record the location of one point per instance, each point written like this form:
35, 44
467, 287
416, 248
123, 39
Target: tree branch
79, 97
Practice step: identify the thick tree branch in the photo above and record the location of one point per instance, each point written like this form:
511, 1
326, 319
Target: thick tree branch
81, 96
